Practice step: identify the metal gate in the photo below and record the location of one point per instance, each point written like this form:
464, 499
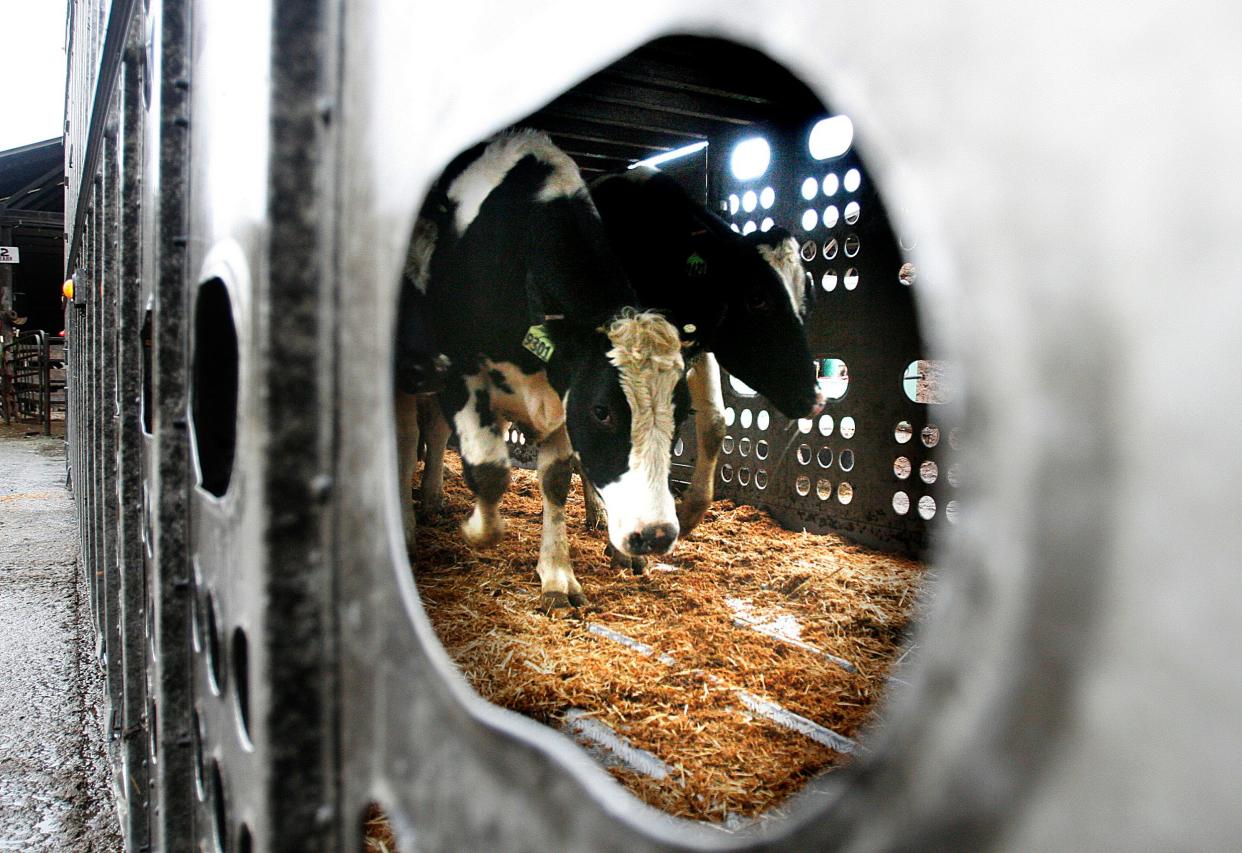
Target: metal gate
32, 378
242, 180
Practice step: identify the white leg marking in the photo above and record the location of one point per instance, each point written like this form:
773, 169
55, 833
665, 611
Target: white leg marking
485, 526
481, 447
709, 428
556, 573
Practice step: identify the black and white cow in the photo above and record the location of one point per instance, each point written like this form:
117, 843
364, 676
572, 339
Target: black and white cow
739, 301
522, 293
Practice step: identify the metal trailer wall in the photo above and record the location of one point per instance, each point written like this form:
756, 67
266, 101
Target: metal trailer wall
267, 655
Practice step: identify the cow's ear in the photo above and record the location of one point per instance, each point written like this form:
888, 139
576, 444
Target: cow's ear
571, 344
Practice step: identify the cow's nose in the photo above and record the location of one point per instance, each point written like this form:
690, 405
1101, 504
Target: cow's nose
652, 539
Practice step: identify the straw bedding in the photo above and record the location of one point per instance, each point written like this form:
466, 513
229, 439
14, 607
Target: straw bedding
679, 701
679, 697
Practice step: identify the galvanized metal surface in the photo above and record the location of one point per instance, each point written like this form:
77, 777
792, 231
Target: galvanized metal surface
314, 133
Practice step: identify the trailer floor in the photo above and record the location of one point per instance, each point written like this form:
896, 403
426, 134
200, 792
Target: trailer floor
55, 793
713, 686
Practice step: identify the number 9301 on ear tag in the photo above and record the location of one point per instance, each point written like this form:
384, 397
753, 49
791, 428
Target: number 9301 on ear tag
539, 343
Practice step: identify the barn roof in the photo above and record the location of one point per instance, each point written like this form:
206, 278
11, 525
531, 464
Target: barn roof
32, 180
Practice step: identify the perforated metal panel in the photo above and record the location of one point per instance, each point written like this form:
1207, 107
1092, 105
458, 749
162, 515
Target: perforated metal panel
833, 472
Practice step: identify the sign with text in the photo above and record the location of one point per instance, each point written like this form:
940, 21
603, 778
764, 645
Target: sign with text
9, 255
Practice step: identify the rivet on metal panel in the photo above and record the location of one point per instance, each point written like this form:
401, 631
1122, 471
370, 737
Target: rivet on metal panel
325, 106
321, 487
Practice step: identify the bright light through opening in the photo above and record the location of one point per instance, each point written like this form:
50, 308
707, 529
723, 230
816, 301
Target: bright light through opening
767, 198
809, 188
831, 137
750, 158
675, 154
767, 223
853, 178
749, 200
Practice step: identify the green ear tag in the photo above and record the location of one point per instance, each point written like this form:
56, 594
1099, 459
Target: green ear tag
538, 342
695, 265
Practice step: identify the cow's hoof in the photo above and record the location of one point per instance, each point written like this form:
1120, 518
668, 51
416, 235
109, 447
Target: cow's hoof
550, 601
622, 561
594, 521
689, 514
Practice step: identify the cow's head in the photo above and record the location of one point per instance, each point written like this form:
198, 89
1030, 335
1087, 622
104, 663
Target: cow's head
779, 248
625, 396
761, 339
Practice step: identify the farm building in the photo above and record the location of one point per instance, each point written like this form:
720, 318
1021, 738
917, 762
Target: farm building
32, 204
928, 613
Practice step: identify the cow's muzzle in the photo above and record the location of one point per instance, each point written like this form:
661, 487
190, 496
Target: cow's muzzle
652, 539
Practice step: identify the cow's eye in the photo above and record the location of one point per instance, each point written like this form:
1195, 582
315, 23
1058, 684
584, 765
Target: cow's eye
757, 299
602, 414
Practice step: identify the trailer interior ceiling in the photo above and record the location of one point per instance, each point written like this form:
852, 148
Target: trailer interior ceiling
668, 94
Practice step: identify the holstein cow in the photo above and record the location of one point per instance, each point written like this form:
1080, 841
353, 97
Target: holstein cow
523, 294
742, 299
737, 300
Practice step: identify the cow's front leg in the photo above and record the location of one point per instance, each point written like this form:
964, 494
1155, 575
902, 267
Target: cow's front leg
559, 587
406, 409
436, 432
484, 457
709, 428
624, 561
593, 508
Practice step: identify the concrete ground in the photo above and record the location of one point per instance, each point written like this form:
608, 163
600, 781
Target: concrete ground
55, 781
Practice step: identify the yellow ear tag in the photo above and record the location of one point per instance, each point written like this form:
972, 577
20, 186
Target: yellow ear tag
538, 342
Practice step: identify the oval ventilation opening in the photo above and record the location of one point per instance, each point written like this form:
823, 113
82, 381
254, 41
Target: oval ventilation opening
213, 390
601, 656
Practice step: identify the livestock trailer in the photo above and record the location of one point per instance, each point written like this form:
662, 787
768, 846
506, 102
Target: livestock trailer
242, 181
